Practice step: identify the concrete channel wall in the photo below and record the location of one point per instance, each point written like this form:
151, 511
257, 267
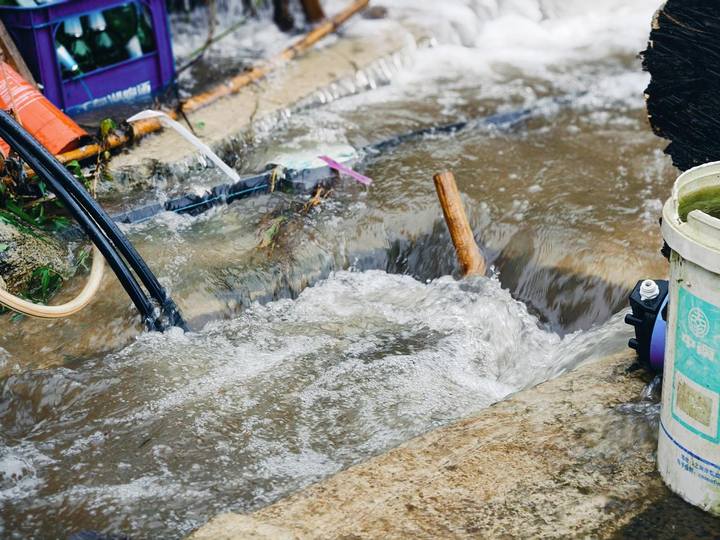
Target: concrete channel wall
337, 67
572, 457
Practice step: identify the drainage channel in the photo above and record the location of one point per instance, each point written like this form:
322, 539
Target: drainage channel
153, 435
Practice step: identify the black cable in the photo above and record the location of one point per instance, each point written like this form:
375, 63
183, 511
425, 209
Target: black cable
128, 281
27, 148
24, 144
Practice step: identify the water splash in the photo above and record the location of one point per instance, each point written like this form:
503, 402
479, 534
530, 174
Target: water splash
155, 438
288, 393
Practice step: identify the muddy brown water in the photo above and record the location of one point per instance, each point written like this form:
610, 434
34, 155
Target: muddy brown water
349, 335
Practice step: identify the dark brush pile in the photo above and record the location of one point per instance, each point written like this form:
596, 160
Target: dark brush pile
683, 98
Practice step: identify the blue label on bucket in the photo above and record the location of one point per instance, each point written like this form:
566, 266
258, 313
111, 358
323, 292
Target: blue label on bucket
696, 378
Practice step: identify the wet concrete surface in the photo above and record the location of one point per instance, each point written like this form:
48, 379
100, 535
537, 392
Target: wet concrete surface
337, 67
550, 462
669, 517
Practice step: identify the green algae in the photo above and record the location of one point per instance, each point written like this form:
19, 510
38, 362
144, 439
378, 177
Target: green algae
705, 199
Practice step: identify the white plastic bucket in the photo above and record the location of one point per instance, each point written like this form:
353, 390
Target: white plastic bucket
689, 440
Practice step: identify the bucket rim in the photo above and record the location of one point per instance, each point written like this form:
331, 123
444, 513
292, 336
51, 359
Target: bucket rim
692, 175
697, 239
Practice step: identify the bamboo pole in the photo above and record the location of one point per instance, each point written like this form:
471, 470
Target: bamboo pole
468, 254
233, 86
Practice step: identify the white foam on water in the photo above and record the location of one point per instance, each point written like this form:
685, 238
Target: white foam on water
496, 44
287, 393
19, 466
496, 41
256, 36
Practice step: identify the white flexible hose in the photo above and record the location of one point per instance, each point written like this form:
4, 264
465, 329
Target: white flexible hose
65, 310
204, 149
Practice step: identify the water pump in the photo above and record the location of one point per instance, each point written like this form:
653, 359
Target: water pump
648, 302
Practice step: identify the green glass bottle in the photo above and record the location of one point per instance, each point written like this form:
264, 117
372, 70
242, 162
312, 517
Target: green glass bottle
68, 65
83, 55
71, 36
145, 32
122, 22
106, 50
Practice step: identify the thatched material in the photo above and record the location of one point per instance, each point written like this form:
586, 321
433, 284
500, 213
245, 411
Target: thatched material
683, 98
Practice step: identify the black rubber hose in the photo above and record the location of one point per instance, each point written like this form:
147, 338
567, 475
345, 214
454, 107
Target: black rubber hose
74, 187
25, 142
118, 265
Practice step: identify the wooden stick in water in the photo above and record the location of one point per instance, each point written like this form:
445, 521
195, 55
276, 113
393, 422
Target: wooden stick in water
468, 253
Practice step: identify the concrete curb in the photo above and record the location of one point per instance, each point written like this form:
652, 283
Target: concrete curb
572, 457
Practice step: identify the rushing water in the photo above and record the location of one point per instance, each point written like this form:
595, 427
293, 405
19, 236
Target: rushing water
349, 335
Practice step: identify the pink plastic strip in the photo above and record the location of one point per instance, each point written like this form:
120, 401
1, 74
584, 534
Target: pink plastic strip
346, 170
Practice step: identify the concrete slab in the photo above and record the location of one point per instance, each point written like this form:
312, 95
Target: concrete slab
573, 457
224, 124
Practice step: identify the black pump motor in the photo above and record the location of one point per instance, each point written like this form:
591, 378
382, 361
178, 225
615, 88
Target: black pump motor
648, 302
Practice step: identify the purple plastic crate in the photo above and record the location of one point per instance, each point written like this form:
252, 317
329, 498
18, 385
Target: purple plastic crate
34, 28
